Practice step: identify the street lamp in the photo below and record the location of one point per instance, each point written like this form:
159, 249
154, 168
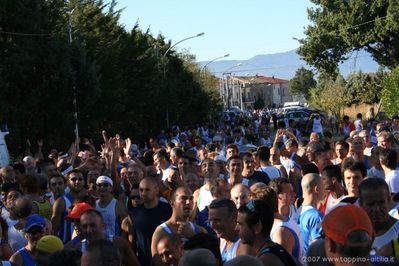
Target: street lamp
213, 60
75, 103
164, 70
185, 39
227, 83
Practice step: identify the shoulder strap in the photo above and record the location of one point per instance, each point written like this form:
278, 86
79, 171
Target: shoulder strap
194, 227
84, 245
166, 228
280, 252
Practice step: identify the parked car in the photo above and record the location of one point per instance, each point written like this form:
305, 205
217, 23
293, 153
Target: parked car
297, 115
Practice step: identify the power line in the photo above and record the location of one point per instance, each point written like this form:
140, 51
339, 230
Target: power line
27, 34
357, 25
281, 67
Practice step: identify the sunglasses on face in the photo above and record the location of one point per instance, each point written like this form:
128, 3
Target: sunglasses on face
74, 179
35, 231
135, 197
55, 184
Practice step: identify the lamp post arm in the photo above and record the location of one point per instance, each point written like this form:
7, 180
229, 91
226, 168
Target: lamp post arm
217, 58
188, 38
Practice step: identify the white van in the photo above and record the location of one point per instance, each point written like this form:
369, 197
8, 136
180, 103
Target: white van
4, 156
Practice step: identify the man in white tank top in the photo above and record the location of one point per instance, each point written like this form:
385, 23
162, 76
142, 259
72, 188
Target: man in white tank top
203, 196
374, 198
112, 210
316, 123
285, 231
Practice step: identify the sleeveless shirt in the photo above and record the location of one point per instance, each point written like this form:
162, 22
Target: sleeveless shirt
111, 221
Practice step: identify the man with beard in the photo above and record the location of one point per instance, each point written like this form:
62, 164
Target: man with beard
374, 198
57, 186
182, 206
92, 228
143, 220
249, 172
61, 227
222, 217
254, 223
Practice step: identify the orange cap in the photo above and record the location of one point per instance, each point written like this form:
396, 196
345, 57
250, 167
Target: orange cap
78, 209
343, 220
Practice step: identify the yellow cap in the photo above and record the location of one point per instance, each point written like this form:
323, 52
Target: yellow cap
49, 244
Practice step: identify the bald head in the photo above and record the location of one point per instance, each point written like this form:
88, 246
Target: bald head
240, 194
198, 257
23, 207
149, 181
309, 182
244, 260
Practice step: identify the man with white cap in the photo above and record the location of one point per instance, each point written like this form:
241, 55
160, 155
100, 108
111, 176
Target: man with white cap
111, 209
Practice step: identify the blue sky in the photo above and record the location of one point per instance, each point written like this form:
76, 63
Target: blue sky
242, 28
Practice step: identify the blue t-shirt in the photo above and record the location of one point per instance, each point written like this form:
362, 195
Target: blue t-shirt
310, 224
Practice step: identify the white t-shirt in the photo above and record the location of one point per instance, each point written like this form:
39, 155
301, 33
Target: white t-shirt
392, 179
166, 173
271, 171
358, 125
317, 127
388, 236
331, 202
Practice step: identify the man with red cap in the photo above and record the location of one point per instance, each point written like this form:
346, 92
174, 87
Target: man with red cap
349, 236
74, 216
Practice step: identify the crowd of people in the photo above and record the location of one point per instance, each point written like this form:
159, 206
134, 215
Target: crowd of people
242, 191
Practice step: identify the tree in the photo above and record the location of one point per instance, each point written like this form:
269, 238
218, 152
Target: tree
329, 95
120, 85
259, 103
363, 88
302, 82
390, 93
340, 27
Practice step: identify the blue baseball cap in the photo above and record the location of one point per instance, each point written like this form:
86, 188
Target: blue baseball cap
35, 220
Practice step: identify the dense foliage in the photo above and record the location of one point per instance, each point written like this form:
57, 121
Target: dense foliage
339, 27
390, 93
123, 83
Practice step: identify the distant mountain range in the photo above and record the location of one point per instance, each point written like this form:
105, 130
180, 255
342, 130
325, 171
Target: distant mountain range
284, 65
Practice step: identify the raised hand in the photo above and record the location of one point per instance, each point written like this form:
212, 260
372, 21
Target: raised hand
40, 143
105, 136
128, 144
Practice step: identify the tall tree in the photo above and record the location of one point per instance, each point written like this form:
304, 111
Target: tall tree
302, 82
363, 88
329, 95
339, 27
390, 93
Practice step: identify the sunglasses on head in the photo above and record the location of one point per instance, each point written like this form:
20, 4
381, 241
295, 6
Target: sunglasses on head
103, 185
